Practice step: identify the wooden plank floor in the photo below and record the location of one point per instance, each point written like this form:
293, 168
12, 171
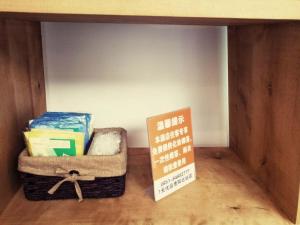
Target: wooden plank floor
224, 193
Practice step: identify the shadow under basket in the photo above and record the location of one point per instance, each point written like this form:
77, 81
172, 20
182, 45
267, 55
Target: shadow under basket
40, 174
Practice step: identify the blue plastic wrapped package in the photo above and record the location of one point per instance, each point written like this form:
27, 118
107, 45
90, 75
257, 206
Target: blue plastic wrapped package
77, 122
86, 118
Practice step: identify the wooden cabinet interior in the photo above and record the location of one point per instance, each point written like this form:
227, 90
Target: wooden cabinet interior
22, 91
225, 192
264, 93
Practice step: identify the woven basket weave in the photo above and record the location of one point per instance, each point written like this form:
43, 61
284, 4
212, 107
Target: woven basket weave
39, 174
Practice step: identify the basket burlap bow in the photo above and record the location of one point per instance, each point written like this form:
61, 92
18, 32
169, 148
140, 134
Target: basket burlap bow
71, 176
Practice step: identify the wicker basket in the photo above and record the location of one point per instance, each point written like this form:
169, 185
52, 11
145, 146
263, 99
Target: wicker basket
47, 178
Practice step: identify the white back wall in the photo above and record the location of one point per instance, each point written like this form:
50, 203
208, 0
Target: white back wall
125, 73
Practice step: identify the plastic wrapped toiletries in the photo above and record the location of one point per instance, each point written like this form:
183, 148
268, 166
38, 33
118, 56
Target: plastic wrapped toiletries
45, 142
59, 134
107, 143
83, 117
76, 122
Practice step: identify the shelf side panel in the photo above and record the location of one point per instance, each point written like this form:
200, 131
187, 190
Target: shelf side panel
264, 105
22, 91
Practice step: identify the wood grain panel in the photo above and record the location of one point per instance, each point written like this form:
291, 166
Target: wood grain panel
8, 124
223, 193
21, 96
134, 19
230, 9
264, 102
36, 69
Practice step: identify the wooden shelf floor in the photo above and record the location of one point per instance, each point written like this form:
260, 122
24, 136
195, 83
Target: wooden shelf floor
224, 193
